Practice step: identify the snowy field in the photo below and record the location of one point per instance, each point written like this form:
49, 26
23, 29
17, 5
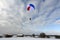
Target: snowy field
28, 38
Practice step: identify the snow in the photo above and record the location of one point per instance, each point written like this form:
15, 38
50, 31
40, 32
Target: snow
28, 38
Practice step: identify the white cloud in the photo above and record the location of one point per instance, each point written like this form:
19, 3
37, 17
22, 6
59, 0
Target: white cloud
57, 22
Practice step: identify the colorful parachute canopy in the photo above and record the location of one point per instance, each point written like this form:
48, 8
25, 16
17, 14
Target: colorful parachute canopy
29, 7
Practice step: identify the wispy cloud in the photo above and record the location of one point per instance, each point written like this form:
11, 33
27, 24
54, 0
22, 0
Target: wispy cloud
13, 13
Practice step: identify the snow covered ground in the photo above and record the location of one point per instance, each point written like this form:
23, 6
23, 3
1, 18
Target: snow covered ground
28, 38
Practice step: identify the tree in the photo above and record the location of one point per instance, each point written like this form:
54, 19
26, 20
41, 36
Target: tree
33, 35
8, 35
42, 35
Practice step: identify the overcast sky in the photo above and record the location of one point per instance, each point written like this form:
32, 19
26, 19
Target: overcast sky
45, 16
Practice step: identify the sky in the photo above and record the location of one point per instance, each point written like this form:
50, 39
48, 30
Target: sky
44, 18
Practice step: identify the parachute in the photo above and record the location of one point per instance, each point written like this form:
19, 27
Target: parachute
29, 7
